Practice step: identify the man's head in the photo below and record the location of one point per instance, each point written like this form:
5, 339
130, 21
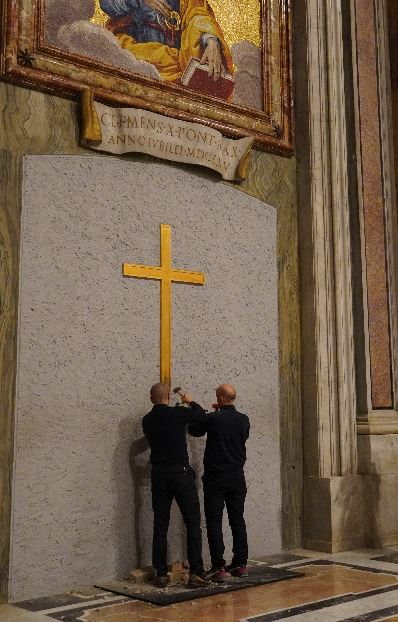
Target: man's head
225, 394
160, 393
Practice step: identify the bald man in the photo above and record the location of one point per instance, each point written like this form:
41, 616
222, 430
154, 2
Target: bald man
224, 481
173, 478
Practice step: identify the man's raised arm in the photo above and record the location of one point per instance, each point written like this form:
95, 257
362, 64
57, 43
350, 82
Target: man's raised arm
197, 418
195, 415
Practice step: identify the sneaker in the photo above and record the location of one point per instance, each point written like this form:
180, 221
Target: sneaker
238, 571
161, 581
218, 575
196, 580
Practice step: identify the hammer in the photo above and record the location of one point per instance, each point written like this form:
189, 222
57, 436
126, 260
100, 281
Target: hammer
178, 390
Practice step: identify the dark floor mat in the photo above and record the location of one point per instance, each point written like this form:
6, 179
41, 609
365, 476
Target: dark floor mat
279, 558
178, 593
392, 558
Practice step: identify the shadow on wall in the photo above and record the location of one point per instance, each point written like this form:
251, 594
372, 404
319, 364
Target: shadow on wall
141, 476
373, 537
131, 459
372, 479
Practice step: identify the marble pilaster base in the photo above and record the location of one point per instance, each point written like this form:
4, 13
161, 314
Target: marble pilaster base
378, 464
333, 513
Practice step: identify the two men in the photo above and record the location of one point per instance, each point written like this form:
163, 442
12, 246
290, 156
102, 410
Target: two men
223, 480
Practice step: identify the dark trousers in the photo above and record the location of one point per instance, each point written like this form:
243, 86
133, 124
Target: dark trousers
169, 484
225, 489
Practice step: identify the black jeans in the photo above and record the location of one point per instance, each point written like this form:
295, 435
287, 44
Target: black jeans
178, 484
229, 489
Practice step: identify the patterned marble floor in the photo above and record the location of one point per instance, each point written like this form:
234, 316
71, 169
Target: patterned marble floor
356, 586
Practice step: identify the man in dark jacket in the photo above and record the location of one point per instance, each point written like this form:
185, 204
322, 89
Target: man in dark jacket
173, 478
224, 481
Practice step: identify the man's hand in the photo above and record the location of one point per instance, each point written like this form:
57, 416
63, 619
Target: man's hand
160, 6
212, 56
186, 398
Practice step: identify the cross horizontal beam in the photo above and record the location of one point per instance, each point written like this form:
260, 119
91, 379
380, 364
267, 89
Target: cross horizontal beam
159, 273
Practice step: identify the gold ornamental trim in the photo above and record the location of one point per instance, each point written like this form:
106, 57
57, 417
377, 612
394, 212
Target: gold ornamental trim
91, 128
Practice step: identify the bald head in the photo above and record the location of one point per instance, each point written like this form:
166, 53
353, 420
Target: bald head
160, 393
225, 394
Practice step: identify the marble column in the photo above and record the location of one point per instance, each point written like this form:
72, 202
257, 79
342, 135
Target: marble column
332, 488
348, 253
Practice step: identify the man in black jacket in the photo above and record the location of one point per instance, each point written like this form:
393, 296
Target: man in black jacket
224, 481
173, 478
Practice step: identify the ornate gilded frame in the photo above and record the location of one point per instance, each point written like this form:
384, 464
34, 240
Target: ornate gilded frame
28, 60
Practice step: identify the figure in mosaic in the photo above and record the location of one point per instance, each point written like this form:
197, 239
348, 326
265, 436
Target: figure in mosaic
170, 34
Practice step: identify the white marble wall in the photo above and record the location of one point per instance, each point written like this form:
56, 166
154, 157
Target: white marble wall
89, 350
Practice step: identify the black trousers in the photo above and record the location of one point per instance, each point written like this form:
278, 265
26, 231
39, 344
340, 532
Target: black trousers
178, 484
225, 489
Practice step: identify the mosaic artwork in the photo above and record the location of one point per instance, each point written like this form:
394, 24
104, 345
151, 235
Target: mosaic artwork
209, 47
223, 63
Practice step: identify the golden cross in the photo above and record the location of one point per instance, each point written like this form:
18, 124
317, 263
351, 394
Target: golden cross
166, 275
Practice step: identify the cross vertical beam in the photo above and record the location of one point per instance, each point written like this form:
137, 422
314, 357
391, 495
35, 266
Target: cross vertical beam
165, 304
166, 275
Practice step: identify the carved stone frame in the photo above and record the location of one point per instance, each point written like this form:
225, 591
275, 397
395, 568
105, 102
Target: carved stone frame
28, 60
